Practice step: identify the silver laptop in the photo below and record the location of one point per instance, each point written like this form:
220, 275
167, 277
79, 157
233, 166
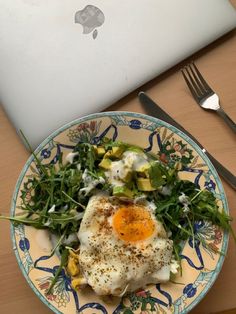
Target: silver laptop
63, 59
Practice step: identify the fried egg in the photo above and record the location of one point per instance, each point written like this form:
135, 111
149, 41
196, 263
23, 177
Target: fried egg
122, 246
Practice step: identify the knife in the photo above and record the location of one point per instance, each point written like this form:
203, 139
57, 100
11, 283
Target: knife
154, 110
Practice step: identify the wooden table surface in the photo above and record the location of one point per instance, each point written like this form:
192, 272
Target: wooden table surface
218, 64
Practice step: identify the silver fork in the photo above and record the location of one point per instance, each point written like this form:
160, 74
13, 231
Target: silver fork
203, 93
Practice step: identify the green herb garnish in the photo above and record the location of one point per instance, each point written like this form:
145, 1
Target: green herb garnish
52, 196
64, 259
180, 219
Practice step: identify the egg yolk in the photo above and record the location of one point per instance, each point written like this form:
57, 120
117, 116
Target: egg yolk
133, 223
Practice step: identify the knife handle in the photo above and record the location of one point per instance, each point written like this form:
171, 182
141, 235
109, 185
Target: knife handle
225, 173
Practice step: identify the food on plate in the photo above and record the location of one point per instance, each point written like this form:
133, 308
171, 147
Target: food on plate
119, 213
122, 246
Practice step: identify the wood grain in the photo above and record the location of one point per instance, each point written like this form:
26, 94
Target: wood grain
218, 64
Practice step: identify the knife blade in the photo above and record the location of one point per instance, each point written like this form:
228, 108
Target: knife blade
154, 110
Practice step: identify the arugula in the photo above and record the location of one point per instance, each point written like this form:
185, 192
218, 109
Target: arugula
180, 220
51, 198
86, 156
64, 259
155, 174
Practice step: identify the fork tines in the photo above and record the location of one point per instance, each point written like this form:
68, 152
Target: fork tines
195, 81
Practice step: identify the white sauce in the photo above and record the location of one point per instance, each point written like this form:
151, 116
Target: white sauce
116, 173
52, 209
174, 266
165, 190
70, 157
184, 199
71, 238
131, 161
135, 161
90, 183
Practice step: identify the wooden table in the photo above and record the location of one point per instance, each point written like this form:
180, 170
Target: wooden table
218, 64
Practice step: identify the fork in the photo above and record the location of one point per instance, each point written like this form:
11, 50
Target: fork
203, 93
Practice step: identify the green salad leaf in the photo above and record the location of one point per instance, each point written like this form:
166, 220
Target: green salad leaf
52, 195
156, 174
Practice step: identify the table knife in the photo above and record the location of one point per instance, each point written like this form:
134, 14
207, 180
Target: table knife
154, 110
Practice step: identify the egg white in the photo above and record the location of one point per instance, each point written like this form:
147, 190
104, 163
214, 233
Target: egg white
112, 266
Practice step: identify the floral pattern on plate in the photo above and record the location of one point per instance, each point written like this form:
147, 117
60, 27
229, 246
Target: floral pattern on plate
201, 263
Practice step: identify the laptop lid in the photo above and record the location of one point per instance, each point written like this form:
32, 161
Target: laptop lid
60, 60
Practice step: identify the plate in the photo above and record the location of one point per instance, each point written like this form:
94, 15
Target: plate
201, 265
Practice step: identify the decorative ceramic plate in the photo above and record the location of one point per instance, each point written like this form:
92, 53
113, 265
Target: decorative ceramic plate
201, 265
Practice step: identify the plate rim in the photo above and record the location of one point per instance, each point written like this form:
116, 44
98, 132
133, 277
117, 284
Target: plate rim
66, 126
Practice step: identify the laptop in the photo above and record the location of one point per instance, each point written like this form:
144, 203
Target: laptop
60, 60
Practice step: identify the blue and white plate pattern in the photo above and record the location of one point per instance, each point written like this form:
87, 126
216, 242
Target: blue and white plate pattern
201, 265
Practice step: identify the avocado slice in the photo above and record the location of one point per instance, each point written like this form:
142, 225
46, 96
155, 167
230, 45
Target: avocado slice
114, 152
105, 164
127, 177
117, 151
144, 168
144, 184
136, 149
122, 191
100, 151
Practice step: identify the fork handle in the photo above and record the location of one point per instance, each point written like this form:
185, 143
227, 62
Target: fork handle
227, 119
